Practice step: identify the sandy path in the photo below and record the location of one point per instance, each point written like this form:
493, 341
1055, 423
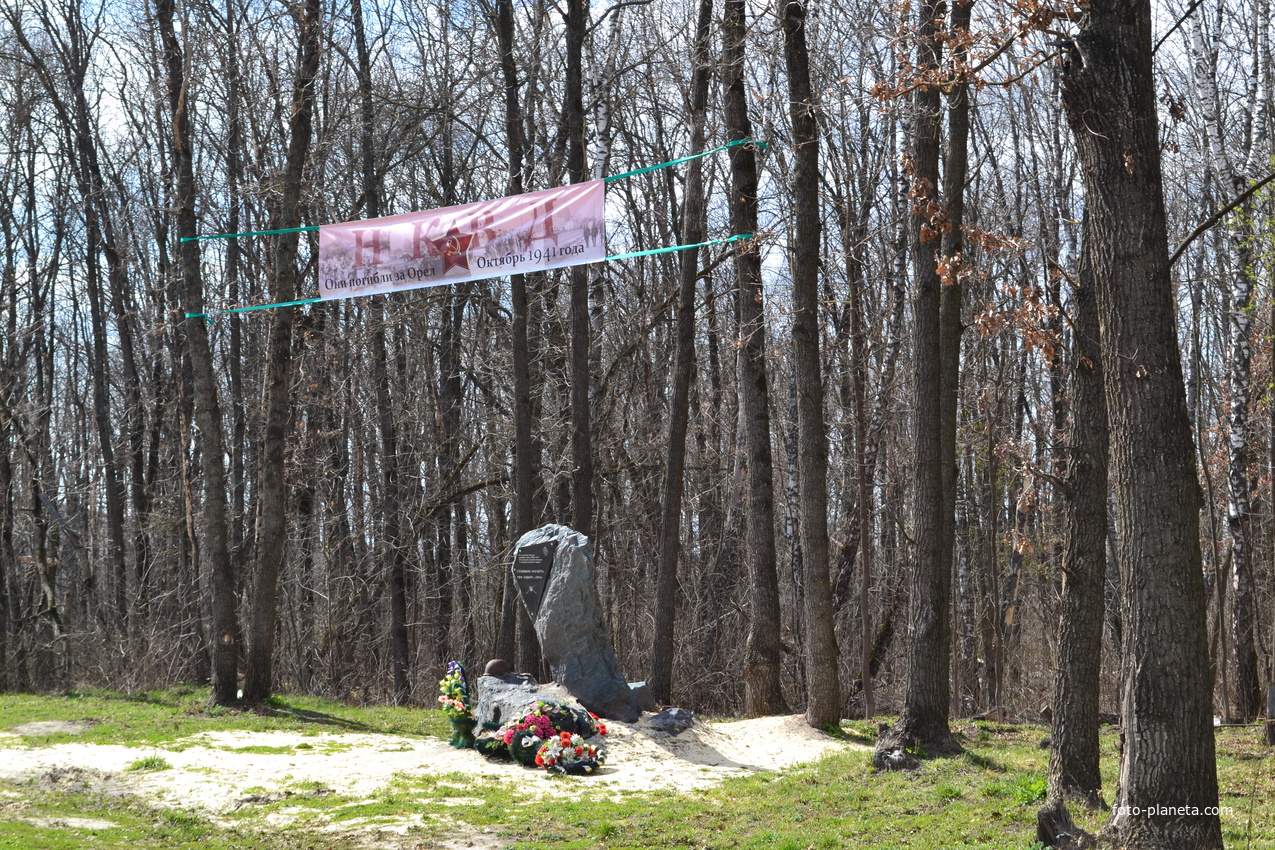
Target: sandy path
208, 774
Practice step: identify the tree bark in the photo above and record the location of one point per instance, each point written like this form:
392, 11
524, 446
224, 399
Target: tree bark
223, 624
1073, 754
1240, 242
394, 546
12, 353
450, 532
234, 180
762, 691
823, 706
581, 415
863, 474
923, 723
526, 461
272, 513
693, 226
1168, 758
951, 299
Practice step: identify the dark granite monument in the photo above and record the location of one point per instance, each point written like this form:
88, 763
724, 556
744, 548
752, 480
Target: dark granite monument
553, 570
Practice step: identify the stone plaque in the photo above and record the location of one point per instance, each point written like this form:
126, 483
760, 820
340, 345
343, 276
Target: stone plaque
532, 564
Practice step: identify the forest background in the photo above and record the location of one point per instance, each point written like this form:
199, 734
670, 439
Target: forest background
327, 496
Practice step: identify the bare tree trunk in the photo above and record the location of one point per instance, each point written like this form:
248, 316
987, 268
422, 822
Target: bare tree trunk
272, 513
763, 694
9, 436
1244, 610
73, 44
581, 415
952, 246
868, 427
693, 210
923, 720
395, 547
234, 180
1168, 758
8, 561
858, 377
223, 624
1073, 754
989, 610
449, 516
823, 707
526, 442
1240, 240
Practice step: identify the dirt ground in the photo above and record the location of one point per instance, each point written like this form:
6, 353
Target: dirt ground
212, 774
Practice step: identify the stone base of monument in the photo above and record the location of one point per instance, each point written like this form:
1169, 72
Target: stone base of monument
499, 698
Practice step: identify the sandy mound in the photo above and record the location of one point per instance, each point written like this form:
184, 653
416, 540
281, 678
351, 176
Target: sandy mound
219, 771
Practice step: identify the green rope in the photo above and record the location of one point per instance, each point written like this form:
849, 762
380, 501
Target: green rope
632, 254
251, 233
209, 316
610, 179
629, 256
695, 156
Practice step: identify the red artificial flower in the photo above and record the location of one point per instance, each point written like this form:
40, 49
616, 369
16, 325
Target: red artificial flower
579, 751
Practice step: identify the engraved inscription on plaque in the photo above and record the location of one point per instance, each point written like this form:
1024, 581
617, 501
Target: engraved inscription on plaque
531, 573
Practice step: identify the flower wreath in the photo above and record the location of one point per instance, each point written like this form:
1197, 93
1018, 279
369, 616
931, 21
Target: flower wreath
454, 692
525, 736
535, 722
569, 754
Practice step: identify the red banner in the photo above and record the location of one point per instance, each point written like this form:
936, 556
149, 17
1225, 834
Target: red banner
524, 233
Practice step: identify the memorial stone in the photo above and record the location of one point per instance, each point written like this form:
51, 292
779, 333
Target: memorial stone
567, 614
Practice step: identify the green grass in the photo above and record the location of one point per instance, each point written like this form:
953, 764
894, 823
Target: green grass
150, 763
157, 718
58, 821
986, 798
264, 750
1029, 789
